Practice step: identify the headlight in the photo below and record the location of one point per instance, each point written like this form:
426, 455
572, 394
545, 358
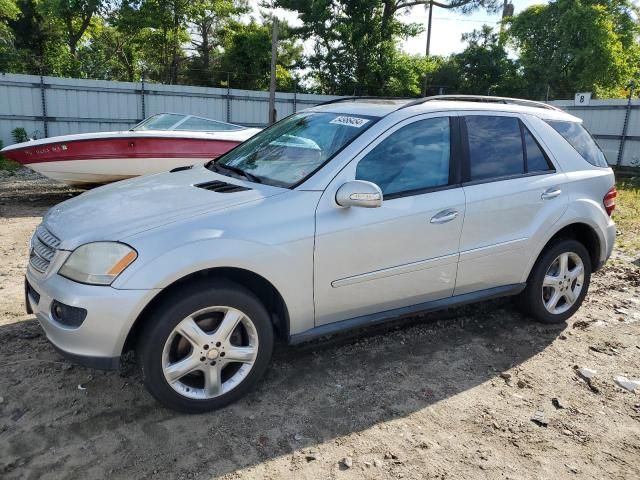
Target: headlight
98, 263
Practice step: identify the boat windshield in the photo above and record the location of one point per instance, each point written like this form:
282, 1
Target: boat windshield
293, 149
179, 122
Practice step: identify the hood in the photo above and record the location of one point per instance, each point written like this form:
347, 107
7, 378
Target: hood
122, 209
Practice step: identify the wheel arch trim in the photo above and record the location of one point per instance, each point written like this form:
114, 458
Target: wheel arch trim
248, 279
566, 224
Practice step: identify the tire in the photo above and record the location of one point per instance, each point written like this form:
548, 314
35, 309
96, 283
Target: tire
189, 361
538, 297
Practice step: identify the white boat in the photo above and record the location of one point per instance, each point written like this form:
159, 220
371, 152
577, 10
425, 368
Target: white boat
159, 143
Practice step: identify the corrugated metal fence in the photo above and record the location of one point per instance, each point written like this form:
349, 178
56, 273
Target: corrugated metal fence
49, 106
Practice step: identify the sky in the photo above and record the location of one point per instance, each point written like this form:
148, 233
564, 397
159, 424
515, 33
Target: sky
448, 26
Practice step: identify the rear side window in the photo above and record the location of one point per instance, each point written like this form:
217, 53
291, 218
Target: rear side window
495, 147
581, 141
502, 147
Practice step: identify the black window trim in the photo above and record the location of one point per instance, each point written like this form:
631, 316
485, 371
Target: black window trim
454, 159
466, 157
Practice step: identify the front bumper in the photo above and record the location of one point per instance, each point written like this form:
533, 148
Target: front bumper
111, 313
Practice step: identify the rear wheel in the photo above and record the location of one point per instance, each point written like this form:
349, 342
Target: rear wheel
205, 347
558, 282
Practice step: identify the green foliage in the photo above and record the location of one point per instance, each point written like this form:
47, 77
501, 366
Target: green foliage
354, 44
576, 45
561, 47
484, 66
8, 11
247, 50
6, 164
19, 134
627, 215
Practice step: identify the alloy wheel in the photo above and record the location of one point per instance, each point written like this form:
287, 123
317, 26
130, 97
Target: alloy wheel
210, 352
563, 283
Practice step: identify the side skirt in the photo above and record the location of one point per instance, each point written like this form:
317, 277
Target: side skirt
389, 315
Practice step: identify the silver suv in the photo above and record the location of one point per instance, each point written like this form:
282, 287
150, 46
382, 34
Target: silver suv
341, 216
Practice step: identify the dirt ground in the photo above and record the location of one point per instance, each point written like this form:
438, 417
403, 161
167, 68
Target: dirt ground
447, 395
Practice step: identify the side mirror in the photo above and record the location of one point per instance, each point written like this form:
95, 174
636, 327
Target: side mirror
359, 193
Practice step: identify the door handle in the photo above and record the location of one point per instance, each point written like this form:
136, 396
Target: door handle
444, 216
550, 193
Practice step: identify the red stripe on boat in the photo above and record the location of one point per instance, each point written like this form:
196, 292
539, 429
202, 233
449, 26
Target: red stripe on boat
121, 148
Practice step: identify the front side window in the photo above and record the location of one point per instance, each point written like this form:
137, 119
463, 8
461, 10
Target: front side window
411, 159
495, 147
581, 141
294, 148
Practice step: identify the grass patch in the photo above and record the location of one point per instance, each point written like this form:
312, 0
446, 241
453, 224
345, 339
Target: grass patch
627, 215
8, 165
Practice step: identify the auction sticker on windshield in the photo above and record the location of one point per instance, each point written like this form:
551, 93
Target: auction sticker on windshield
350, 121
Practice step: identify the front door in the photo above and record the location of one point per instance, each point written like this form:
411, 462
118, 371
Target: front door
405, 252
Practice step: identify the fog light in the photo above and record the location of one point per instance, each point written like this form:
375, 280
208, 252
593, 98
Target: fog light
67, 315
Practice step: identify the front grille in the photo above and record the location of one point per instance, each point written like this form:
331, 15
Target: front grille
43, 247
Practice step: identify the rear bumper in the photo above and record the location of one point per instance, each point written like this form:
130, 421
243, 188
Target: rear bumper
98, 341
610, 240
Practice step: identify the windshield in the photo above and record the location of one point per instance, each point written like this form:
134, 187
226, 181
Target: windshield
294, 148
176, 121
162, 121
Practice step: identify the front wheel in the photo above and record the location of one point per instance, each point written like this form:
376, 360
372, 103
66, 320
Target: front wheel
205, 347
558, 282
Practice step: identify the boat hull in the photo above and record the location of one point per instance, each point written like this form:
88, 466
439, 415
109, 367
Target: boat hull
97, 171
96, 161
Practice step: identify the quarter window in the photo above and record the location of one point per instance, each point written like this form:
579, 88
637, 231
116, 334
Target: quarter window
412, 159
495, 147
581, 141
536, 159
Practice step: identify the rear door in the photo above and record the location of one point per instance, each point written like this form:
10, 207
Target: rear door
513, 191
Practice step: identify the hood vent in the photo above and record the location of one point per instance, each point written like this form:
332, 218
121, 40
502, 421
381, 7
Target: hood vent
222, 187
180, 169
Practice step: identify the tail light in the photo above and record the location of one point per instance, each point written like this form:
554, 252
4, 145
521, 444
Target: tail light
609, 200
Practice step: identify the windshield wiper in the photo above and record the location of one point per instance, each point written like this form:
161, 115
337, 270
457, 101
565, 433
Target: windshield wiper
239, 171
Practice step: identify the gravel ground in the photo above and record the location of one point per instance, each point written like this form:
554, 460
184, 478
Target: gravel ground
448, 395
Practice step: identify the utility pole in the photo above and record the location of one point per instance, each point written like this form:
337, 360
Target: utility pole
272, 85
429, 27
507, 11
424, 80
625, 126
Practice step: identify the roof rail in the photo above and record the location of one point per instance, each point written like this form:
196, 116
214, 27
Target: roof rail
354, 99
483, 99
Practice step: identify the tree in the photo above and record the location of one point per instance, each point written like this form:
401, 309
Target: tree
76, 17
8, 11
355, 41
575, 45
484, 66
208, 20
38, 41
247, 55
